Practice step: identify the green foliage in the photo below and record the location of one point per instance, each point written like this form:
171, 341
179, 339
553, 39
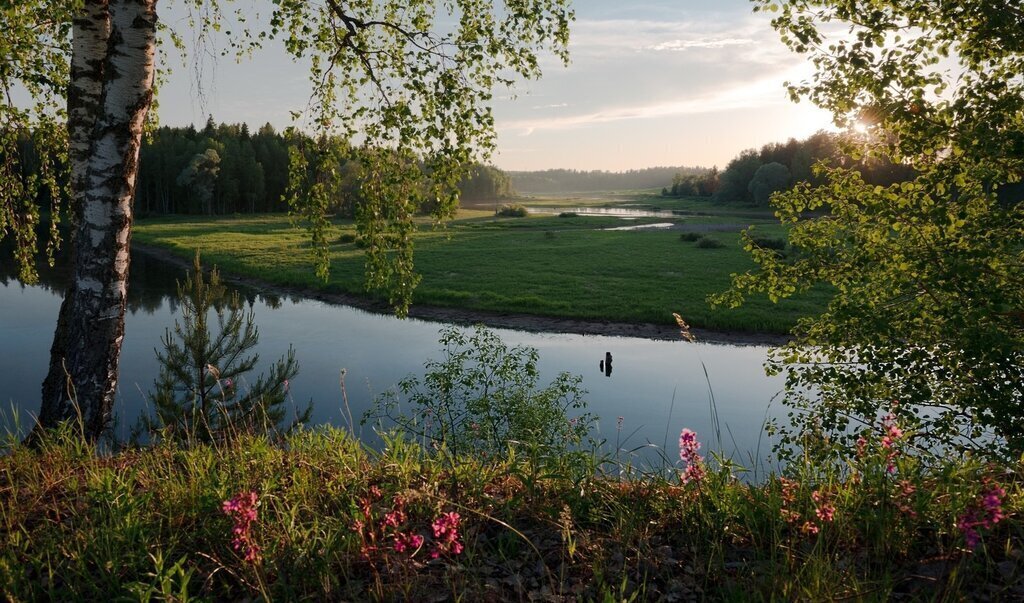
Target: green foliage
927, 272
413, 83
768, 242
706, 242
34, 53
768, 179
149, 525
702, 184
690, 237
734, 183
202, 393
200, 176
484, 183
512, 211
251, 177
482, 398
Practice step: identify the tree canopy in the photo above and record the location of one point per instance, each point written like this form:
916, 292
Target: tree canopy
928, 315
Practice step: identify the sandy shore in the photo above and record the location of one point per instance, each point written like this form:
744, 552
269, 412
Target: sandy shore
523, 322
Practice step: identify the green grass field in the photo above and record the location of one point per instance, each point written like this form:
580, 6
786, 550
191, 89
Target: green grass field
542, 265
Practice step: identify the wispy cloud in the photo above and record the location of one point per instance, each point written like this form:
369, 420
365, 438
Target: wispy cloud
759, 93
551, 106
682, 45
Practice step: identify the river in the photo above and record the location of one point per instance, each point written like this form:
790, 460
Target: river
657, 387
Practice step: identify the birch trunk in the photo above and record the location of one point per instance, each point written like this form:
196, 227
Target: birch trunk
110, 94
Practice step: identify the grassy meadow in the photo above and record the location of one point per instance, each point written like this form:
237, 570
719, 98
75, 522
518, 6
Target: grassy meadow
542, 265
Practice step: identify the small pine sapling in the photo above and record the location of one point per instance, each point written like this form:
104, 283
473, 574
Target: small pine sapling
201, 394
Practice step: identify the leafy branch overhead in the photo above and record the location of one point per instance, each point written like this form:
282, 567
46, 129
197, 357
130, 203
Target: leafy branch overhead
408, 86
927, 273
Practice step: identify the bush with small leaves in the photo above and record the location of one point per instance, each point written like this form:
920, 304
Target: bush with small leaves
482, 397
707, 242
769, 243
512, 211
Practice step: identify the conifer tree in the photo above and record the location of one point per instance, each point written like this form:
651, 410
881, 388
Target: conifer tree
202, 393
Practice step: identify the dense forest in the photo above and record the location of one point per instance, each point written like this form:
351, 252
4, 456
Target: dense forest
579, 181
753, 175
225, 168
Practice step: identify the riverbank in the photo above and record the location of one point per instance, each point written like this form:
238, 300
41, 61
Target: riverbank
549, 273
317, 516
462, 316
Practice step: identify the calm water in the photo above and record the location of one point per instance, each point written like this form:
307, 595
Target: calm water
618, 212
377, 351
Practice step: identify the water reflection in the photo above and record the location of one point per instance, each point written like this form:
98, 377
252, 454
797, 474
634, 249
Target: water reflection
659, 386
152, 283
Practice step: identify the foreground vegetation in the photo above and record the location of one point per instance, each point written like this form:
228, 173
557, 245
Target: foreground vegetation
541, 265
317, 515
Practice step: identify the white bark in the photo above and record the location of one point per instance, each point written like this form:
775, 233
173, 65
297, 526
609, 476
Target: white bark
110, 95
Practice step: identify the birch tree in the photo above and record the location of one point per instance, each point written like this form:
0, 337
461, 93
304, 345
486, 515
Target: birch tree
410, 82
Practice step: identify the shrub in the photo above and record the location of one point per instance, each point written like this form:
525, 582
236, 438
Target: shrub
769, 243
568, 214
348, 237
512, 211
707, 242
482, 397
690, 237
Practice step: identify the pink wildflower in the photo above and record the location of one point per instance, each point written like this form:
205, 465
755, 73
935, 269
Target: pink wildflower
242, 508
822, 509
394, 518
966, 523
862, 444
906, 490
688, 447
446, 535
408, 541
693, 473
984, 513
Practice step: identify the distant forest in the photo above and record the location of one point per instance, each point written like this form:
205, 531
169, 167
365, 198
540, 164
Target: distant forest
752, 176
224, 169
577, 181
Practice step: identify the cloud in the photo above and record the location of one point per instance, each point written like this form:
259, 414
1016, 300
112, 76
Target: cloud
551, 106
681, 45
750, 95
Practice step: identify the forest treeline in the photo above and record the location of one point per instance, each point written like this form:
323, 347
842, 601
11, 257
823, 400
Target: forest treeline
580, 181
226, 169
753, 175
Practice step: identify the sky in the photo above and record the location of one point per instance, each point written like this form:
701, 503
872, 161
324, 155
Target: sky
650, 83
